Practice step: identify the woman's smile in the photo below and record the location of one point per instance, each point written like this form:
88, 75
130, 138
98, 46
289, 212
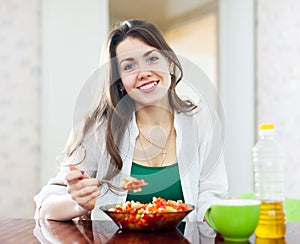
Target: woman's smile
148, 86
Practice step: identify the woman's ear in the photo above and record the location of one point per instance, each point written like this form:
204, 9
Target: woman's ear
171, 68
121, 88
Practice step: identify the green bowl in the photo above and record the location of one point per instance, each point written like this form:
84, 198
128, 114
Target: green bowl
234, 219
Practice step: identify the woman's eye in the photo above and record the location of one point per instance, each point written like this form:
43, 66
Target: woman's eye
128, 67
152, 59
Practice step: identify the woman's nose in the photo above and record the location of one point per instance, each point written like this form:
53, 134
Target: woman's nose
143, 74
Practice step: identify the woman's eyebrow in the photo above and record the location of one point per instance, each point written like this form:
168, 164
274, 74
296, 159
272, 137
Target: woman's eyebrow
149, 52
126, 59
144, 55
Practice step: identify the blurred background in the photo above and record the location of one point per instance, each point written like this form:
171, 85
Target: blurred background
249, 49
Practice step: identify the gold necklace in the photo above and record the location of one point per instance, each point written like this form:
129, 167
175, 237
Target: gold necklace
164, 149
148, 140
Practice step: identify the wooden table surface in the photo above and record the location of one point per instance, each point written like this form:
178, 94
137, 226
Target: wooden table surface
32, 231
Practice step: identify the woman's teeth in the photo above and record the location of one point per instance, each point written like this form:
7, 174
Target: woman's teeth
148, 86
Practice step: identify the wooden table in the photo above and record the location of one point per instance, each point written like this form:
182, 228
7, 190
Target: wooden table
42, 231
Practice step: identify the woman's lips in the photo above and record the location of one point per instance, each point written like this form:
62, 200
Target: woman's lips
148, 87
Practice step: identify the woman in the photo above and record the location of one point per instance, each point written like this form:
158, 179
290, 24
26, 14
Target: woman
142, 128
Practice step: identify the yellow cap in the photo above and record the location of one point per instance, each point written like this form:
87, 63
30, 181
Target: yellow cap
266, 127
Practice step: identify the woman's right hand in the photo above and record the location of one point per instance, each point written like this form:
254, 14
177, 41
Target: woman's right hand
82, 188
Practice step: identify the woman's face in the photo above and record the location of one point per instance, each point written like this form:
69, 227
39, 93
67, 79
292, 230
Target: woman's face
144, 71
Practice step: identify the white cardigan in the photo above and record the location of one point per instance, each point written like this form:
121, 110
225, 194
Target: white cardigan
199, 147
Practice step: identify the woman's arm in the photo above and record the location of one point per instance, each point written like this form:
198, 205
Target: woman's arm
213, 180
60, 208
213, 187
81, 198
71, 194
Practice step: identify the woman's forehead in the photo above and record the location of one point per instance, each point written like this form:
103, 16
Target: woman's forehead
132, 46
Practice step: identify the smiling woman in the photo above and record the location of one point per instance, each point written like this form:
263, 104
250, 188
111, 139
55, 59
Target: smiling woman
140, 121
146, 71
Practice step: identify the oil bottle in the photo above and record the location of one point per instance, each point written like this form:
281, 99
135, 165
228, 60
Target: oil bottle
268, 162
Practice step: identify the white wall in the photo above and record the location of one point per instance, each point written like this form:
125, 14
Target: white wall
72, 32
19, 106
236, 85
278, 76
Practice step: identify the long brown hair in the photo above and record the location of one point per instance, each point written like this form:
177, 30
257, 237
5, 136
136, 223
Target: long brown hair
117, 113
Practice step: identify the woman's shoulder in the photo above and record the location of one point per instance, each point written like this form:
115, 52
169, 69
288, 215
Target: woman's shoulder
202, 121
200, 116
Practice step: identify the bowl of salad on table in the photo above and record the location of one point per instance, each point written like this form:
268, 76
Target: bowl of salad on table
156, 215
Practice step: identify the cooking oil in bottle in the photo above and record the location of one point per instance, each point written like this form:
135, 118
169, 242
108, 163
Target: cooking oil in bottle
271, 222
269, 184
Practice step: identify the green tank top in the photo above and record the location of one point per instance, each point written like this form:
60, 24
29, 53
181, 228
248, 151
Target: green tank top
162, 182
